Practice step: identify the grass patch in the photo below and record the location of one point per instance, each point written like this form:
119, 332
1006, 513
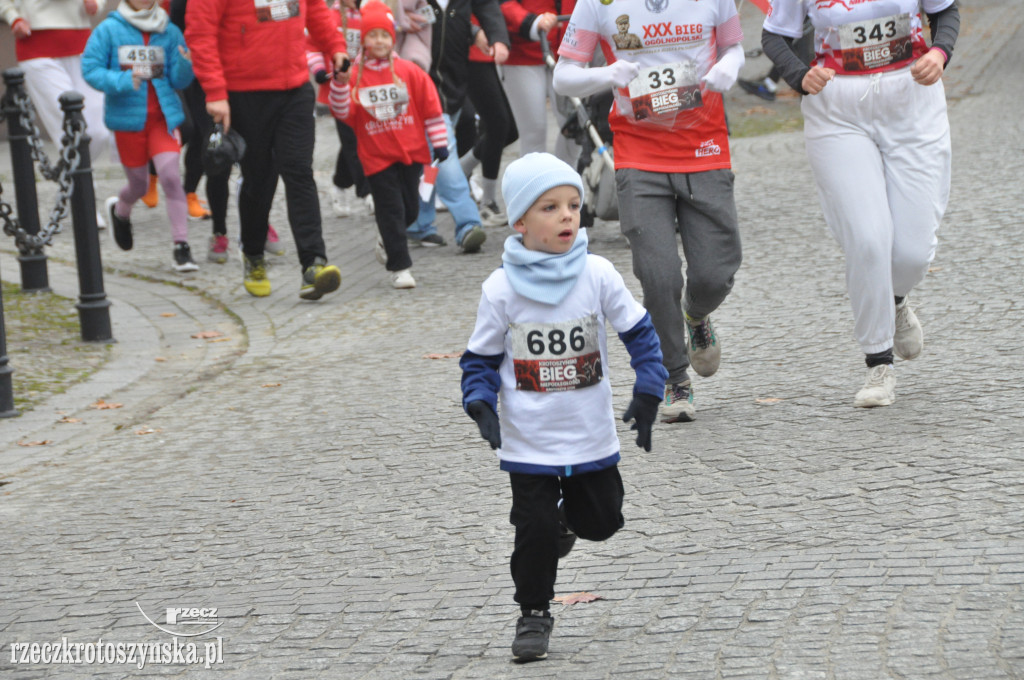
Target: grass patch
45, 347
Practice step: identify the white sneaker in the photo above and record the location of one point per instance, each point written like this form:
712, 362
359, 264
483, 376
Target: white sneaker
100, 222
368, 202
909, 339
491, 215
879, 389
403, 279
379, 252
439, 205
475, 189
341, 201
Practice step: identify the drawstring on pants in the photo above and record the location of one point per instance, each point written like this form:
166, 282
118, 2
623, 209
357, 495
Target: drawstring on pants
876, 79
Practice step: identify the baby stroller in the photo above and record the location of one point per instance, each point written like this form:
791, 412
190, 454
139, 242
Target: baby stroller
589, 129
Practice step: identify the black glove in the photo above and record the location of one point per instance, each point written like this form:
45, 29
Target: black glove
321, 76
440, 154
643, 410
487, 420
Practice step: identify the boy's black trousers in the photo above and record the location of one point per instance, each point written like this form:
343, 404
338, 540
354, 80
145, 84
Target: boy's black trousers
593, 506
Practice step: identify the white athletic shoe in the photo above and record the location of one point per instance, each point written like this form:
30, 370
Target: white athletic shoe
677, 406
475, 189
439, 205
341, 201
100, 222
379, 252
879, 389
909, 339
403, 279
368, 202
491, 215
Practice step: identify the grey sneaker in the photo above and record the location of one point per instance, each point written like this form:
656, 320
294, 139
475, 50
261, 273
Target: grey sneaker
703, 348
434, 240
879, 389
533, 632
473, 239
677, 407
909, 339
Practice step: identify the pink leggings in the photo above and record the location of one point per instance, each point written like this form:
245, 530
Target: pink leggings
166, 165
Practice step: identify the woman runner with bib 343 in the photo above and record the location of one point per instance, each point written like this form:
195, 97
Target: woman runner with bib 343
877, 139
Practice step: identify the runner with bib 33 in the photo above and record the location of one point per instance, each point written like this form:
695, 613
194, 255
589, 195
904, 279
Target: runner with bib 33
668, 64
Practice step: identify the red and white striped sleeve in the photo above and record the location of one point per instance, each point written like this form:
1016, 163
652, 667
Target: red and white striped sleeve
340, 100
437, 133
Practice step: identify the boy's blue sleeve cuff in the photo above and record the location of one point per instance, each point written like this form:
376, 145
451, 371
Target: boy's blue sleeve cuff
644, 349
480, 378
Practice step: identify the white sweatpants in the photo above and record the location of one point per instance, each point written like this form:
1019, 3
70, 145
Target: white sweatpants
880, 152
46, 79
528, 89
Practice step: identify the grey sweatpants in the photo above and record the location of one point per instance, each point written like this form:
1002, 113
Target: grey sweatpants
699, 207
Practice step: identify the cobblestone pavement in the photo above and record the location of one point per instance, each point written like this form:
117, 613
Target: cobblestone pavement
313, 478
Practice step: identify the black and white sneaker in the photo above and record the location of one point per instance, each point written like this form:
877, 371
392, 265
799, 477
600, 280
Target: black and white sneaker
121, 228
533, 632
183, 261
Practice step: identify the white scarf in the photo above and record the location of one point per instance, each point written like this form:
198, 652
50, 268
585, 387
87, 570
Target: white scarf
152, 20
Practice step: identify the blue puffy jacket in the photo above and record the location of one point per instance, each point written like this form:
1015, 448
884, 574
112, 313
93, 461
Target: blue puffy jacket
124, 107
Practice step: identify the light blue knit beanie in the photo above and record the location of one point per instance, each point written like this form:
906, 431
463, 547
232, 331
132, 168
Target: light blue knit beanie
527, 178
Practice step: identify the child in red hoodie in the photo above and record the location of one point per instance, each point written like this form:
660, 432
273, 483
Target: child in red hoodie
389, 102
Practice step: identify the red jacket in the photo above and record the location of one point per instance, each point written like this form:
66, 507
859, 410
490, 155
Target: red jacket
520, 16
400, 139
234, 49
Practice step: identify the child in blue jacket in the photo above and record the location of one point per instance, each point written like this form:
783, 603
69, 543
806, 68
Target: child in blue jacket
138, 59
540, 348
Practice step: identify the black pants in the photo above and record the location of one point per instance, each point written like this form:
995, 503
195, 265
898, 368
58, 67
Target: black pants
202, 126
593, 506
279, 133
396, 196
497, 126
348, 171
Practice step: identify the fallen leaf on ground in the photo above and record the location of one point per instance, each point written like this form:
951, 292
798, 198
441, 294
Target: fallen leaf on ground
148, 430
203, 335
769, 400
577, 597
270, 385
168, 314
159, 359
224, 339
448, 355
102, 405
41, 442
68, 419
759, 109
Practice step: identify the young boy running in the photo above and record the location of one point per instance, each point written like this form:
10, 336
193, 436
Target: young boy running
540, 342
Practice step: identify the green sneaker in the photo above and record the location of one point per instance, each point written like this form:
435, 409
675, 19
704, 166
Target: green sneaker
319, 279
255, 278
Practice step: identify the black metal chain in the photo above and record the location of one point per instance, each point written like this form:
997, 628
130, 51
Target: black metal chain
62, 173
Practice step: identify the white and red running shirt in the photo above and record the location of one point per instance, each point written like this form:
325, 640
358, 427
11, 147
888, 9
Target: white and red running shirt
665, 120
857, 37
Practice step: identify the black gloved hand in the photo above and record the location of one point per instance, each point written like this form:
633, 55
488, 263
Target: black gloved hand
440, 154
643, 410
321, 76
487, 420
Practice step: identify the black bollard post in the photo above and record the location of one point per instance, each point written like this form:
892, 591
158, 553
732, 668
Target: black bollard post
34, 277
6, 387
93, 306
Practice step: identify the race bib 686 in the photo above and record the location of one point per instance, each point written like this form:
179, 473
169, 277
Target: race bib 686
556, 357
